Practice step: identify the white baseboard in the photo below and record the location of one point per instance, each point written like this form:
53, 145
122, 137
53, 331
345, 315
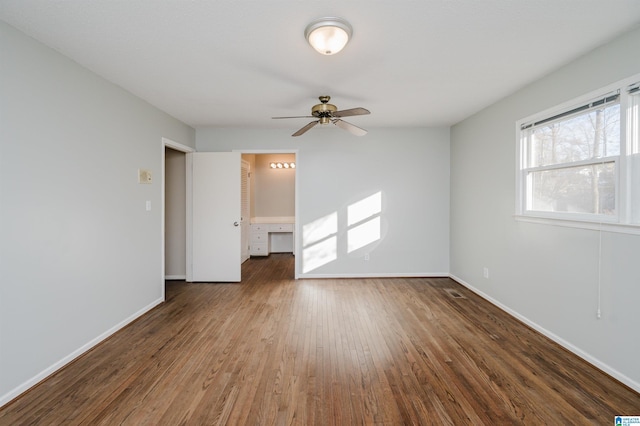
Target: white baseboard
175, 277
4, 399
380, 275
565, 344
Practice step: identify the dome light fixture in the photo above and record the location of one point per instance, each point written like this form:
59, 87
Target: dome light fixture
329, 35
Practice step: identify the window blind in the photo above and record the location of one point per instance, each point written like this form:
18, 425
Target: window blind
608, 99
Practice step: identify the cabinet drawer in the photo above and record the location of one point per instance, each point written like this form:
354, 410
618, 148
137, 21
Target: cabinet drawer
259, 227
258, 249
281, 227
259, 237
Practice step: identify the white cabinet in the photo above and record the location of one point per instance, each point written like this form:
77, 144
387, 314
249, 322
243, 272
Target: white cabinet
280, 227
271, 237
259, 242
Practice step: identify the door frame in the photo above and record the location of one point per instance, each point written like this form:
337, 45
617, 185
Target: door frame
245, 221
167, 143
296, 226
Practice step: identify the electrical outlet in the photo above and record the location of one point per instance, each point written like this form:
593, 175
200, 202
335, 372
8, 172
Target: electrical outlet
485, 272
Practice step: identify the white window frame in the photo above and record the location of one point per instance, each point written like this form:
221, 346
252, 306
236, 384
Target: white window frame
620, 222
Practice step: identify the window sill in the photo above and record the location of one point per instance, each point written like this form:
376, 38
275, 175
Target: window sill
596, 226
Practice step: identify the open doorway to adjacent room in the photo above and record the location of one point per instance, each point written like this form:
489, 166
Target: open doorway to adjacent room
174, 226
271, 204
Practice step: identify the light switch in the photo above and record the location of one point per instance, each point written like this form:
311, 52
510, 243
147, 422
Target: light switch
148, 205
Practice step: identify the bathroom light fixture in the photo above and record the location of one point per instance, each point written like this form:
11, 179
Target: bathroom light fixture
279, 165
329, 35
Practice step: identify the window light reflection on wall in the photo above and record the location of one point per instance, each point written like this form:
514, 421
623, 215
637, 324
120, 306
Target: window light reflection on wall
285, 165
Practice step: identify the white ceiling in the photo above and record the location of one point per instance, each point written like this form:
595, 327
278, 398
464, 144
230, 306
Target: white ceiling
237, 63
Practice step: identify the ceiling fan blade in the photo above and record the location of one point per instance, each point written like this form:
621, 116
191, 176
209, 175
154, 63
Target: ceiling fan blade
305, 128
349, 127
351, 112
297, 116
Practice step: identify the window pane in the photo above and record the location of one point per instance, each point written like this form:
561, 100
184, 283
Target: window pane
584, 189
592, 134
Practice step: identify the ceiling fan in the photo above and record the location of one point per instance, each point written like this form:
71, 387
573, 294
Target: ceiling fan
327, 113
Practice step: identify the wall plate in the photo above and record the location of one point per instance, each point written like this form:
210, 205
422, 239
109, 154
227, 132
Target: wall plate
144, 176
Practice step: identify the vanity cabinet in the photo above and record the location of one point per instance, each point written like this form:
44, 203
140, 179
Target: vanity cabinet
270, 237
259, 241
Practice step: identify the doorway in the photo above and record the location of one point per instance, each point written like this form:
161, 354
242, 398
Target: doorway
173, 211
192, 180
272, 202
175, 225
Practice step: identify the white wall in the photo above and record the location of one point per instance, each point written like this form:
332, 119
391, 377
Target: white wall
274, 189
409, 167
79, 254
547, 275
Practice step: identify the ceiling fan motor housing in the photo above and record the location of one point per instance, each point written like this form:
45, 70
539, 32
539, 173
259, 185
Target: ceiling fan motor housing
324, 111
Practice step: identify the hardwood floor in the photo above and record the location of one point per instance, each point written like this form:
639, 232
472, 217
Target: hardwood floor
272, 350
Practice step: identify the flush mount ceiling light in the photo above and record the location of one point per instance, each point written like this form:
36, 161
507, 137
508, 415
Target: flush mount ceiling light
328, 35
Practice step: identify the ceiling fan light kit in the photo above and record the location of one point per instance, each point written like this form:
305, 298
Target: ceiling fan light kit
329, 35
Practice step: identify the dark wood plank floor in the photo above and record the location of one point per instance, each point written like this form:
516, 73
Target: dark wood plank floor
272, 350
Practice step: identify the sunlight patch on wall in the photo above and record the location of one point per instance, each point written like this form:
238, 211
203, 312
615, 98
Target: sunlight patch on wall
365, 215
319, 254
364, 209
363, 234
319, 241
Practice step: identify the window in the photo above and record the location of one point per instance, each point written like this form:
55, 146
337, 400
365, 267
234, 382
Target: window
633, 157
582, 161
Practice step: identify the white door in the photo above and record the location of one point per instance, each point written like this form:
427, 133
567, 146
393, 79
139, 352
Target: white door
245, 211
215, 216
